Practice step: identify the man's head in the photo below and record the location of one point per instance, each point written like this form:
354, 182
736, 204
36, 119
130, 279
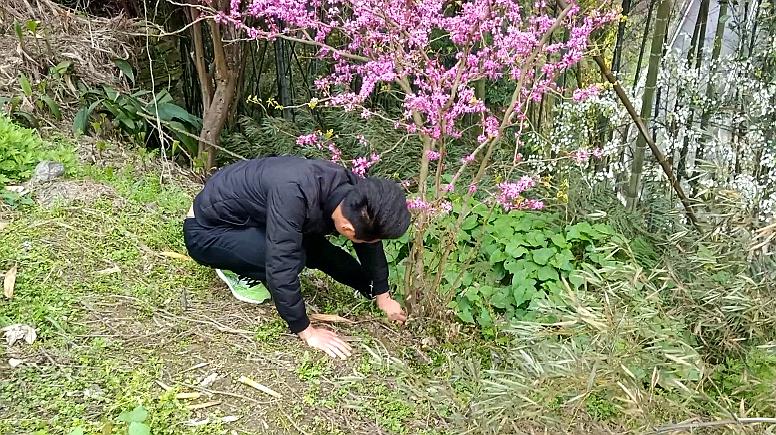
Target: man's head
375, 209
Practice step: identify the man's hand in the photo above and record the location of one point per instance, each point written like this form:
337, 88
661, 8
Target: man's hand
391, 308
327, 341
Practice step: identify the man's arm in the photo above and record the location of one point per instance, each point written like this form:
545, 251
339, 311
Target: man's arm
285, 256
285, 260
372, 258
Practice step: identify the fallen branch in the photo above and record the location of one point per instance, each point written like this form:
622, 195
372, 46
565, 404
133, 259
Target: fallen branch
661, 158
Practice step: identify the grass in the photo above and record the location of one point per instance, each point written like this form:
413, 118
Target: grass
123, 324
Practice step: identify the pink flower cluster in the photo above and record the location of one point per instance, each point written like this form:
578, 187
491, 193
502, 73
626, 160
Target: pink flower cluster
585, 93
510, 195
418, 205
393, 42
362, 164
582, 156
433, 155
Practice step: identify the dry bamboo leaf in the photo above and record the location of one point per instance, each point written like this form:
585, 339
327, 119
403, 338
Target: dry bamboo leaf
203, 405
251, 383
174, 255
108, 271
163, 386
330, 318
193, 395
9, 282
3, 225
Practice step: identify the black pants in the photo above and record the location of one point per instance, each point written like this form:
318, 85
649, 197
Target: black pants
243, 251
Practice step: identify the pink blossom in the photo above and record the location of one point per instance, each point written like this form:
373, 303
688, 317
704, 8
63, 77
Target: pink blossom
598, 152
510, 191
307, 139
468, 159
472, 189
362, 164
583, 94
447, 188
446, 206
394, 40
418, 204
433, 155
581, 156
532, 204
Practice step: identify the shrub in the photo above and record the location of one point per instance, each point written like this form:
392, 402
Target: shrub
20, 151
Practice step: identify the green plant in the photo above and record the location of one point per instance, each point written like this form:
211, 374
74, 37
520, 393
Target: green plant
505, 264
138, 116
19, 151
37, 100
135, 420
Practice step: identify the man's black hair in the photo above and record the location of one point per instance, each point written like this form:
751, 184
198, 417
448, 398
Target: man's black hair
377, 209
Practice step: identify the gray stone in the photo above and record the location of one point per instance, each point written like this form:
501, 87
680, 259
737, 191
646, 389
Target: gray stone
47, 171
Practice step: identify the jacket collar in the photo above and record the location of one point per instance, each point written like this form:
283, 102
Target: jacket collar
335, 198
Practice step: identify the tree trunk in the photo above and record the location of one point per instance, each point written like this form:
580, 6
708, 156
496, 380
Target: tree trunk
711, 90
617, 56
217, 95
283, 70
643, 43
637, 166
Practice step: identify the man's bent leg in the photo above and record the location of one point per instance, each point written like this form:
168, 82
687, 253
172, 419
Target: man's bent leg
337, 263
234, 252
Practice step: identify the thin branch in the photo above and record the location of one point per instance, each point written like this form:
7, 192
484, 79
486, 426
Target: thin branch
661, 158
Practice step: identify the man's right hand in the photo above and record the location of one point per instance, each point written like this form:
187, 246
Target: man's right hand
327, 341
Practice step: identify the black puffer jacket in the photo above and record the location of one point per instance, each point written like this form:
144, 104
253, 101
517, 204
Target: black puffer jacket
290, 197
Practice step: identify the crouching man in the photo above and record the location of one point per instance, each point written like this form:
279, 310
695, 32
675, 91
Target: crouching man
260, 222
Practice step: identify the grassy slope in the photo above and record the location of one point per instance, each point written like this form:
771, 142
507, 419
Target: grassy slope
109, 310
116, 317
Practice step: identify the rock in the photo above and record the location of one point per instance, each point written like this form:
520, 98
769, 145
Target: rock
16, 332
13, 362
47, 171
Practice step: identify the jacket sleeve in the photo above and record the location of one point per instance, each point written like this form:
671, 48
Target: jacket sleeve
285, 255
372, 258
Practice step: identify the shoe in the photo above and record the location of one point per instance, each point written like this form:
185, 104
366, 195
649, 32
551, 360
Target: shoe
244, 289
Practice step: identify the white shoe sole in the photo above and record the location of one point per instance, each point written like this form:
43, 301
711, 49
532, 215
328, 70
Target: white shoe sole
237, 296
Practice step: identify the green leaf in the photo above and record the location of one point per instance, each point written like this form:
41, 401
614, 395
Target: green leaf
514, 250
536, 238
500, 299
562, 260
576, 280
542, 256
17, 28
52, 106
138, 415
469, 223
24, 82
465, 313
137, 428
126, 69
81, 120
547, 273
62, 67
484, 319
77, 431
559, 241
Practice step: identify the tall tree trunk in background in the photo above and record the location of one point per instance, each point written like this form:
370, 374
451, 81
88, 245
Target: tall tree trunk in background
694, 54
637, 166
703, 19
643, 42
711, 90
283, 70
617, 56
219, 89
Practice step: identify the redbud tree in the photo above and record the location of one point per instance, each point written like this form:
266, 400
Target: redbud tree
432, 53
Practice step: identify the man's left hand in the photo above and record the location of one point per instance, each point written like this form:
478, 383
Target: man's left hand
391, 308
